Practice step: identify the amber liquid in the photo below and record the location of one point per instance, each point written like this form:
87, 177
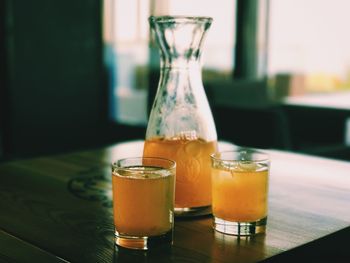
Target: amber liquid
193, 181
143, 206
240, 195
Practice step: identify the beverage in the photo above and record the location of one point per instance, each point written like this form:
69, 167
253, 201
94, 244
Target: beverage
240, 193
143, 202
193, 182
240, 182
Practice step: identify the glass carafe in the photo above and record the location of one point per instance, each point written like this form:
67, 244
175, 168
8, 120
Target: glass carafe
181, 126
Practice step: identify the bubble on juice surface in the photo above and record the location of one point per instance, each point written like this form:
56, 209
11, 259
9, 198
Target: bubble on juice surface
146, 172
247, 166
151, 175
242, 166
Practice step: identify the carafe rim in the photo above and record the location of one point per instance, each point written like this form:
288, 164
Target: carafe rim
179, 18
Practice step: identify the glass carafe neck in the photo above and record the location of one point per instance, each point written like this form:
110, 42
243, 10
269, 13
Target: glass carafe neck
180, 39
180, 109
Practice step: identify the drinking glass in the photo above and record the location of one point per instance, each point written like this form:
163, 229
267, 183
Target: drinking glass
143, 201
240, 191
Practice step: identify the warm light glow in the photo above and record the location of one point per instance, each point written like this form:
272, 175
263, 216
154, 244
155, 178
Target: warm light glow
310, 37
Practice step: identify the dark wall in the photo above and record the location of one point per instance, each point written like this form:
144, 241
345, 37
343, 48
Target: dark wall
53, 88
2, 73
316, 130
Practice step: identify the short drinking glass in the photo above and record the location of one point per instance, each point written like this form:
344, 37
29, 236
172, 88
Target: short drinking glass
143, 201
240, 191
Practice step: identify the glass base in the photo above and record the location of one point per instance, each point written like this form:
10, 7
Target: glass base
240, 228
143, 242
192, 211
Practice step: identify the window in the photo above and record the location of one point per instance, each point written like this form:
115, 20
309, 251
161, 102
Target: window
309, 44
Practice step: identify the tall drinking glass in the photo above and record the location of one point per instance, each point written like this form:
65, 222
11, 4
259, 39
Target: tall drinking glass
143, 201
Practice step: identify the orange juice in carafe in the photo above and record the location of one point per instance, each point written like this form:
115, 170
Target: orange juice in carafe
193, 181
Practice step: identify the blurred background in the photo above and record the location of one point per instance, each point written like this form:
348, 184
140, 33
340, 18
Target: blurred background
82, 74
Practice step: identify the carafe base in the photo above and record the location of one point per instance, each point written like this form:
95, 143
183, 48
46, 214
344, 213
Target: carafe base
192, 211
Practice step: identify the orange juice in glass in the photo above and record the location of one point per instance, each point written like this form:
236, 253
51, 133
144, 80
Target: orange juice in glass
143, 201
240, 191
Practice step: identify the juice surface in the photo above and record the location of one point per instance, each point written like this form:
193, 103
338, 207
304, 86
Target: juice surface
193, 182
143, 207
240, 195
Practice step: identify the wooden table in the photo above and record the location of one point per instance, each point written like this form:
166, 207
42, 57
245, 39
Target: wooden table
59, 209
